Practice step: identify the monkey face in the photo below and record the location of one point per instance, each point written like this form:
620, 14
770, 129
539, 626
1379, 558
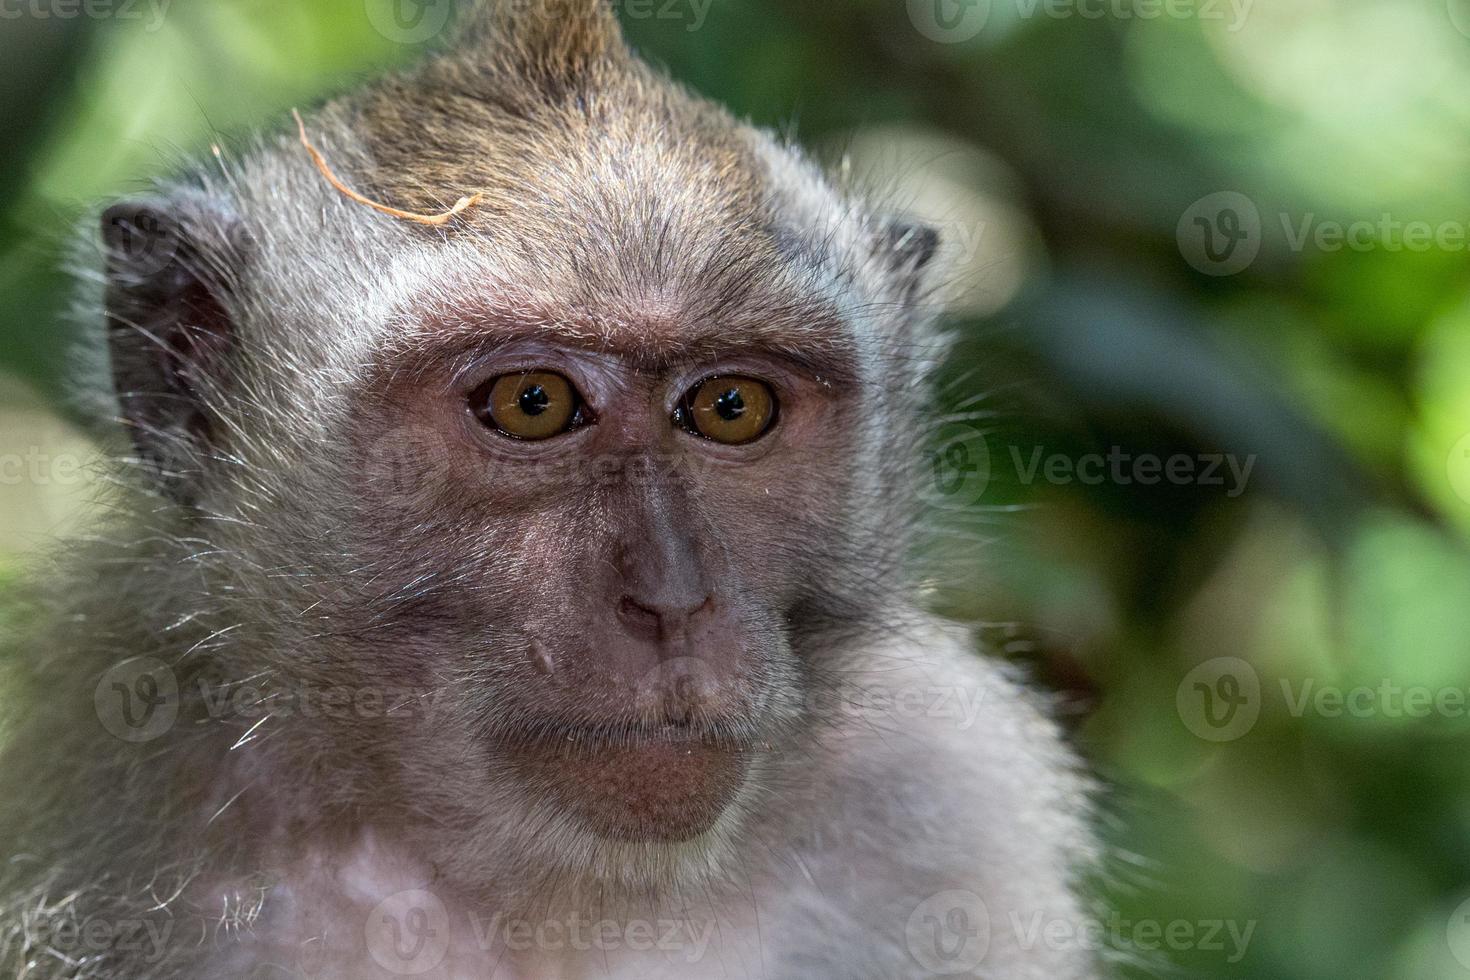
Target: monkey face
592, 522
597, 532
586, 488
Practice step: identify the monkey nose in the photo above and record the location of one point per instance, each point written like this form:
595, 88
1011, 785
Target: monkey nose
664, 619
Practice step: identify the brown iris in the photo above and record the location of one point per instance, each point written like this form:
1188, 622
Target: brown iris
733, 410
531, 405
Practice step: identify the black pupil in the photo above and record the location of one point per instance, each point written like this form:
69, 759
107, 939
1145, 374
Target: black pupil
730, 406
534, 400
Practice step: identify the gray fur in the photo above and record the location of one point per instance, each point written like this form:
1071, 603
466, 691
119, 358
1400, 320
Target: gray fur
258, 843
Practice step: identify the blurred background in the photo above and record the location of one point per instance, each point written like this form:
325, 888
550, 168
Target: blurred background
1206, 466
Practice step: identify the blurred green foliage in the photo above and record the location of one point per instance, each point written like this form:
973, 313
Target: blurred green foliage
1069, 151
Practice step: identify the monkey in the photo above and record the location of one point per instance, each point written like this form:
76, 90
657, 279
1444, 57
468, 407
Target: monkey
525, 588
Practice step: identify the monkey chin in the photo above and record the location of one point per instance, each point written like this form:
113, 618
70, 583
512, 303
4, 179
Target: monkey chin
667, 786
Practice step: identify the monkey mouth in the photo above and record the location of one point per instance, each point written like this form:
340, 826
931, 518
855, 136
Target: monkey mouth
636, 781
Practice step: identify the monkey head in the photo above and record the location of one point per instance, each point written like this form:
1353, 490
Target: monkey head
587, 484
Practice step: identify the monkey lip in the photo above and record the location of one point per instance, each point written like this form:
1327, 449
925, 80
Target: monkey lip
637, 782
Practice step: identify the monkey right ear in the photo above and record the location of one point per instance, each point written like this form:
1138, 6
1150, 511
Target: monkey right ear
171, 266
909, 248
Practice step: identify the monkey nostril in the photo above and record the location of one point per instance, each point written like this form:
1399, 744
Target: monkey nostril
658, 619
638, 616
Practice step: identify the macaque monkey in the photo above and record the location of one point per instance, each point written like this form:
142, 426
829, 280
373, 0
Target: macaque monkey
508, 570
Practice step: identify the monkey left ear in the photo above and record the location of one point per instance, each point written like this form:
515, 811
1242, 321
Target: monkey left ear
170, 271
909, 249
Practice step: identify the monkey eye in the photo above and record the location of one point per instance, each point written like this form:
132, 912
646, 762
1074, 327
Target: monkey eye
531, 405
733, 410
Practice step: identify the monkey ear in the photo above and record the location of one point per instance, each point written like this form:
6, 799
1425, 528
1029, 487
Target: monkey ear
169, 273
909, 249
